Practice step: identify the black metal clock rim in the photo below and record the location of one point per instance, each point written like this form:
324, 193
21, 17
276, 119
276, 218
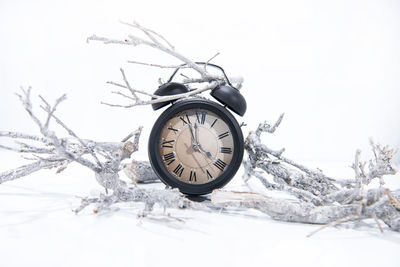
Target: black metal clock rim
196, 189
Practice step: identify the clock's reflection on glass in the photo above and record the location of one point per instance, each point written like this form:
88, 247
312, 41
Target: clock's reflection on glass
196, 146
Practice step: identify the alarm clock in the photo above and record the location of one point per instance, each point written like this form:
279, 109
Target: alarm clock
196, 145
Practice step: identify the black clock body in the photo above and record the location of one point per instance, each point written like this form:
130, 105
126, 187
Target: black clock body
196, 145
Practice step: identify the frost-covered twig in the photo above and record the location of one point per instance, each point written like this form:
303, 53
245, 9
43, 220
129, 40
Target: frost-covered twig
140, 172
320, 199
134, 40
288, 210
158, 65
318, 193
167, 198
310, 185
158, 99
107, 162
158, 42
57, 151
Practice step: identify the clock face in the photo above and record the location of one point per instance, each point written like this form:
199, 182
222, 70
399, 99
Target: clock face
196, 145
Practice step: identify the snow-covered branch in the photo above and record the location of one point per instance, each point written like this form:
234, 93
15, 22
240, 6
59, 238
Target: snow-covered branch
320, 199
158, 42
106, 161
51, 151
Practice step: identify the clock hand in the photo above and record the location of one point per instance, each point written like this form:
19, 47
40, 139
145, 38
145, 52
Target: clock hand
194, 143
208, 154
205, 158
208, 163
195, 159
196, 136
198, 143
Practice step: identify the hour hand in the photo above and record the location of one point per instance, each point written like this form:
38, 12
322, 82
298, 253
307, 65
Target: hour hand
208, 154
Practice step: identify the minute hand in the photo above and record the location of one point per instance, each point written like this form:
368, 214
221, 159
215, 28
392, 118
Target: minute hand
194, 141
196, 138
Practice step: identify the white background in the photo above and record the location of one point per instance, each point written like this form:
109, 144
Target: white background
333, 67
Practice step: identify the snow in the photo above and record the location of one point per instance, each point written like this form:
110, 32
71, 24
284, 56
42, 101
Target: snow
38, 228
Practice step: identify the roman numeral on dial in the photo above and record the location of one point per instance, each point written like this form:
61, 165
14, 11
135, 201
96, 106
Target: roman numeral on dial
225, 134
167, 143
179, 170
192, 177
225, 150
201, 117
169, 157
209, 176
220, 164
173, 129
183, 119
213, 123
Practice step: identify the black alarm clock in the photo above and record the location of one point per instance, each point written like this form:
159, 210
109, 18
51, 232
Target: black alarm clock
196, 145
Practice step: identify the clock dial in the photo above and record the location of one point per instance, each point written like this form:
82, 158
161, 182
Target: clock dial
196, 146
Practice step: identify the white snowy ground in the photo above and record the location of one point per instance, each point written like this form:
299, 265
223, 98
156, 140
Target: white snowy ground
38, 228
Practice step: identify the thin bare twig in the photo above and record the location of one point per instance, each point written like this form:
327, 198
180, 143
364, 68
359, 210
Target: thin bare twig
208, 61
157, 65
166, 47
